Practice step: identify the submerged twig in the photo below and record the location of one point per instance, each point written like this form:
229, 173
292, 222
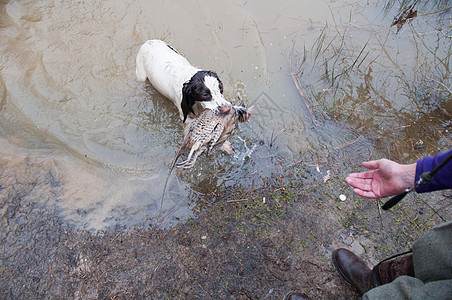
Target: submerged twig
303, 96
140, 235
167, 215
442, 84
435, 12
273, 138
357, 140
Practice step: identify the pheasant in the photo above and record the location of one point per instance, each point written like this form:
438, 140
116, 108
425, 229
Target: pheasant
207, 130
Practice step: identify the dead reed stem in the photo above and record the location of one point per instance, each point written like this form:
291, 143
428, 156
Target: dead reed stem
303, 96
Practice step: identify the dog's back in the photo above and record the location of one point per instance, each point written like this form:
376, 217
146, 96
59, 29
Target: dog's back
165, 69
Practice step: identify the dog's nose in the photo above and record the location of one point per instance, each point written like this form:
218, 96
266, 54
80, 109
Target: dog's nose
224, 109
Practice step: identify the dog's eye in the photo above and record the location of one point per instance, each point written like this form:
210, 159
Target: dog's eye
206, 95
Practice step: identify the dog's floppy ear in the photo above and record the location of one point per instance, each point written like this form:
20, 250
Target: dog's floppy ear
187, 100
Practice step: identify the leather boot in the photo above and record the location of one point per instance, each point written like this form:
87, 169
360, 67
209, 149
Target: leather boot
355, 271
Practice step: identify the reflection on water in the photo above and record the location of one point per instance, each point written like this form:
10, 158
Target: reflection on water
70, 102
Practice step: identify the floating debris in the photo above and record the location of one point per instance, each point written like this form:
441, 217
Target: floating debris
407, 15
327, 176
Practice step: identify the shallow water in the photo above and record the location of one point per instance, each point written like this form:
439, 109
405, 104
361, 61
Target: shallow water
70, 100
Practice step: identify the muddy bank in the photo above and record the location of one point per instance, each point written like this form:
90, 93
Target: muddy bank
257, 243
242, 250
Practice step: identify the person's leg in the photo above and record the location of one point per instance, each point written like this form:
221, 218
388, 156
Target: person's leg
432, 254
355, 271
406, 287
431, 261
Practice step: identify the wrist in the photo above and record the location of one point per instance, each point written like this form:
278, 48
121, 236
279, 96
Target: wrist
407, 175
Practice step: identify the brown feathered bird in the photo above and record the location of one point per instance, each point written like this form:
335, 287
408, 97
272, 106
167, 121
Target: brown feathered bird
206, 131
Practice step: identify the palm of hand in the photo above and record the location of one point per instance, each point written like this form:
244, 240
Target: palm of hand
384, 180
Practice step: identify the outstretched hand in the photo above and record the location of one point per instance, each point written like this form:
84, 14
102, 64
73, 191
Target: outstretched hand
387, 178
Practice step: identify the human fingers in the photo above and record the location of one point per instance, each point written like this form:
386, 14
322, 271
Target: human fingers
366, 194
363, 183
364, 175
372, 164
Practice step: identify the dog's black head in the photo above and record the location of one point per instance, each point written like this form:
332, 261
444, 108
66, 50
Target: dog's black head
201, 89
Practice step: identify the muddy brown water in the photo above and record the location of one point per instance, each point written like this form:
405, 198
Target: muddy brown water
69, 98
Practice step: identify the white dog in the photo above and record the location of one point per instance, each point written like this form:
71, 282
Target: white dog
191, 89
